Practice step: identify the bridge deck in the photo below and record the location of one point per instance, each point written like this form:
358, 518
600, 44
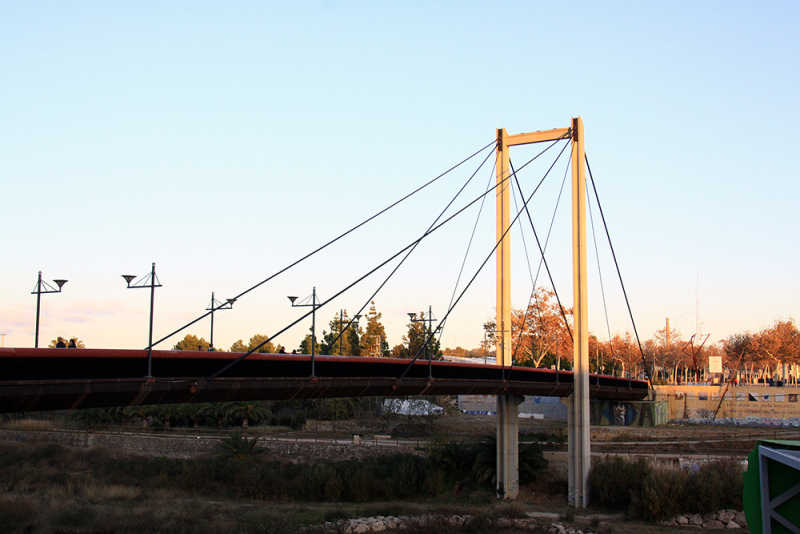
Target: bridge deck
55, 379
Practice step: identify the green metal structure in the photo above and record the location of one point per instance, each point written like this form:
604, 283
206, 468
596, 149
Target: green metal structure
772, 488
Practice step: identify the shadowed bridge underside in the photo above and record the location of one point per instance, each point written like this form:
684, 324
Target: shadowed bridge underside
59, 379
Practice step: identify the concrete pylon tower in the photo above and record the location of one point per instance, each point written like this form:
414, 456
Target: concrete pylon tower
578, 422
507, 415
578, 402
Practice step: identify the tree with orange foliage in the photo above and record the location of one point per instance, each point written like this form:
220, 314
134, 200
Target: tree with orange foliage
739, 352
539, 334
778, 346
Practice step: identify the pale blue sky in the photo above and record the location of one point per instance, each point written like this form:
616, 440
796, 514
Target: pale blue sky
224, 140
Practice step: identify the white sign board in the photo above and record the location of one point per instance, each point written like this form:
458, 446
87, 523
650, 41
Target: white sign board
715, 364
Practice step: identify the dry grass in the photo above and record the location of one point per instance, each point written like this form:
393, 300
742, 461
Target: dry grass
30, 425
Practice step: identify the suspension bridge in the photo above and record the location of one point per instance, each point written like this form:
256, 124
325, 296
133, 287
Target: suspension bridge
53, 379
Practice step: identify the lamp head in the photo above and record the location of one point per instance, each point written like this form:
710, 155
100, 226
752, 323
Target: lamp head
412, 315
292, 299
356, 317
128, 278
231, 301
60, 283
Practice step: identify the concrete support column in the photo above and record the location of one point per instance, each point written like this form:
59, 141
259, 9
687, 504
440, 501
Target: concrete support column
508, 446
578, 422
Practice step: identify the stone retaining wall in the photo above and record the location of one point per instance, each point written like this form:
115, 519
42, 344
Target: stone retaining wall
188, 447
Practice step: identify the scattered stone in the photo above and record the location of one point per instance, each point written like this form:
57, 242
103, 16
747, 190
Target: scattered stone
369, 525
456, 520
741, 519
711, 516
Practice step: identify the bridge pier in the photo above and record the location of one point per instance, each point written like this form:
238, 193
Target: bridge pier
508, 446
579, 458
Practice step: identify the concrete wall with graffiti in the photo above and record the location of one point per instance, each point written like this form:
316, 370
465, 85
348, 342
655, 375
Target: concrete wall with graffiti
542, 408
631, 413
607, 413
739, 405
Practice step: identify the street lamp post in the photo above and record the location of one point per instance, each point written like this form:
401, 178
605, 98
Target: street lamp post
313, 304
214, 306
43, 287
429, 330
148, 281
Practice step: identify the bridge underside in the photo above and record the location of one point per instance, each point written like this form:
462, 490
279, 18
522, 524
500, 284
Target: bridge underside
58, 379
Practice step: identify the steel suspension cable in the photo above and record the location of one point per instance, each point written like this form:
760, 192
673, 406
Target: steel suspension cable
619, 274
542, 250
480, 268
397, 267
381, 265
469, 244
332, 241
474, 228
600, 274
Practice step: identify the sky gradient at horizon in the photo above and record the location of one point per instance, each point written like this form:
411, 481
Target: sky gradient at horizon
224, 141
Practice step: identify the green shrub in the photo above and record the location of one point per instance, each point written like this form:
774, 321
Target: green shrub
139, 470
298, 420
47, 451
434, 482
454, 458
531, 462
715, 486
660, 495
332, 516
362, 484
653, 495
703, 491
266, 523
285, 420
73, 516
18, 514
237, 446
612, 481
312, 483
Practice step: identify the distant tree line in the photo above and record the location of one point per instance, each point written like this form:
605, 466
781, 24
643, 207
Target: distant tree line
542, 336
344, 337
